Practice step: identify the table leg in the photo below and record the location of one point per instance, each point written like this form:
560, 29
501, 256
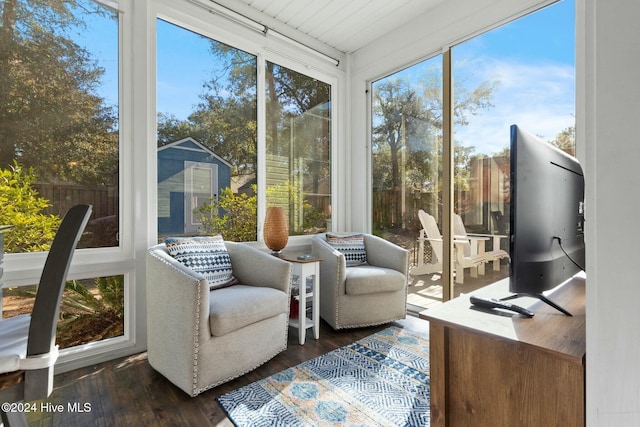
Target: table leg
302, 308
481, 250
315, 310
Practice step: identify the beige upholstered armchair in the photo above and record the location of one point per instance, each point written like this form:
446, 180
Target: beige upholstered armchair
363, 295
199, 338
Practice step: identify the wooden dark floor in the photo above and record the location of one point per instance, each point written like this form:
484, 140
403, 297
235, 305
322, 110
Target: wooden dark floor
128, 392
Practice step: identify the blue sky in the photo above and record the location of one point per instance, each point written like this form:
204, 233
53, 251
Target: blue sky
532, 58
545, 35
183, 65
101, 41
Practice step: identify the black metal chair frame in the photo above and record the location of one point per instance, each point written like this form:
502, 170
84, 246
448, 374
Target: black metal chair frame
36, 384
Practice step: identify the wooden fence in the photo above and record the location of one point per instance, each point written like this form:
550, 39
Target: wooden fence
102, 230
392, 210
62, 197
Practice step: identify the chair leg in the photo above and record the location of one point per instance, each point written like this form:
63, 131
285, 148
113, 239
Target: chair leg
14, 419
481, 269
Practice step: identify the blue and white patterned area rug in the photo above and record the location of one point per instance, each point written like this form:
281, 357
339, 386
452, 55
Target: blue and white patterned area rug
380, 380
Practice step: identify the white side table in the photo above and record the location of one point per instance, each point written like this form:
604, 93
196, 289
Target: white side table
305, 268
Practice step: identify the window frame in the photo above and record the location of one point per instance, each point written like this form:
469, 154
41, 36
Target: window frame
23, 269
444, 48
224, 31
138, 164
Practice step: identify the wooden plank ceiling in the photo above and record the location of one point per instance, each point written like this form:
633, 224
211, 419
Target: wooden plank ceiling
345, 25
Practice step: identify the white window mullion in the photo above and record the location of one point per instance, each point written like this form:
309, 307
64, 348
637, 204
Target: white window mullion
261, 169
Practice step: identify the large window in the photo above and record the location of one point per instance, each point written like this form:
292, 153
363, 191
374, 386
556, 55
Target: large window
298, 171
59, 142
521, 73
60, 146
208, 138
91, 309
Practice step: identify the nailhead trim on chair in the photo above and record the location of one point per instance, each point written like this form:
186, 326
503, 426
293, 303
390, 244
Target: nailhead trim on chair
196, 346
337, 293
284, 347
286, 335
337, 317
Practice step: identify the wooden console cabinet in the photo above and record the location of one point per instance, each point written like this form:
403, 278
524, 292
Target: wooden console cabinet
489, 369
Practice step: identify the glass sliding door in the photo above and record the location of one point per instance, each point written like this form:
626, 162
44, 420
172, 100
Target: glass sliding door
521, 73
407, 167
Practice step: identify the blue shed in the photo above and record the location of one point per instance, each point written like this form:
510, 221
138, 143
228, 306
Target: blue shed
189, 174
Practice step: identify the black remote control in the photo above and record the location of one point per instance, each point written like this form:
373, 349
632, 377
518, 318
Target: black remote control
496, 303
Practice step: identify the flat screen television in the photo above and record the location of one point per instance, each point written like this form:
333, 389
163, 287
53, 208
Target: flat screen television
546, 217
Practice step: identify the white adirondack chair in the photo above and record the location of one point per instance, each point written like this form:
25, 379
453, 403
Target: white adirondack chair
476, 244
431, 233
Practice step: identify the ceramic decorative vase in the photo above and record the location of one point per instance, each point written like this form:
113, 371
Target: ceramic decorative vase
276, 229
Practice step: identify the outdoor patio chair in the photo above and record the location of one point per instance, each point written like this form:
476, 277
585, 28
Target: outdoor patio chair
199, 338
27, 342
431, 233
477, 243
371, 293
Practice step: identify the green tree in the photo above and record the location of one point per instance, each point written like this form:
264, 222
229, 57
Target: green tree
225, 119
50, 116
22, 207
406, 119
566, 140
171, 129
407, 133
399, 113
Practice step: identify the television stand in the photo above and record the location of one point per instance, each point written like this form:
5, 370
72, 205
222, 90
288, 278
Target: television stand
488, 369
541, 297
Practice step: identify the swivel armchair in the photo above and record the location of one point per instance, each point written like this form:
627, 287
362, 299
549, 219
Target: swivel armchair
199, 338
364, 295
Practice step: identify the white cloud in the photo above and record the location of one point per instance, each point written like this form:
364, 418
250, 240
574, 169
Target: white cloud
537, 97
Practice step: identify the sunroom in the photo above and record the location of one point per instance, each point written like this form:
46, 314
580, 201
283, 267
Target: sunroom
353, 117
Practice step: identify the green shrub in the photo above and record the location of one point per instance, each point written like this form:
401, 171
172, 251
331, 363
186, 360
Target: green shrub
90, 310
234, 216
91, 313
22, 207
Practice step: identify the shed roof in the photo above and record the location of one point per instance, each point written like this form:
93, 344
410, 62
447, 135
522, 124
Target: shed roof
191, 144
